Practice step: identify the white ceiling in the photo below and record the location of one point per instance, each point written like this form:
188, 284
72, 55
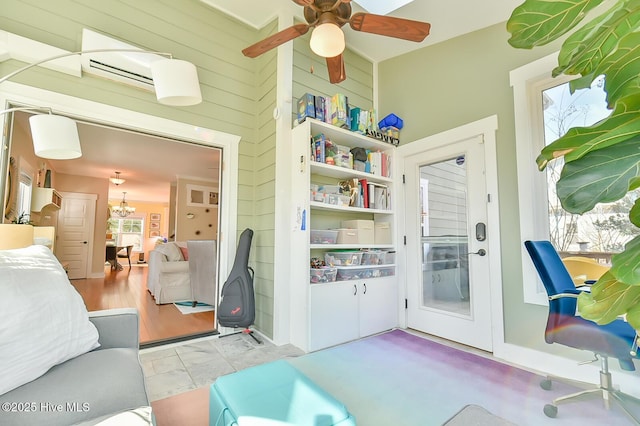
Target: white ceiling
448, 19
149, 164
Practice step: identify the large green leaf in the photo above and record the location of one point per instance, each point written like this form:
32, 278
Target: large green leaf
623, 124
634, 213
621, 68
625, 266
583, 50
608, 299
633, 316
601, 176
538, 22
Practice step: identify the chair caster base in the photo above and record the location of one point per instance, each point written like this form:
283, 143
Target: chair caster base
551, 411
546, 384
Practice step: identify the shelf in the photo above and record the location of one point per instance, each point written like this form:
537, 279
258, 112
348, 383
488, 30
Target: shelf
42, 197
346, 137
324, 206
345, 173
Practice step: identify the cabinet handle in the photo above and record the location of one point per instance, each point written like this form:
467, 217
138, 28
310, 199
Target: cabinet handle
355, 290
365, 287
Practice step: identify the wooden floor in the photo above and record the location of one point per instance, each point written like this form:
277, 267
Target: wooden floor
128, 289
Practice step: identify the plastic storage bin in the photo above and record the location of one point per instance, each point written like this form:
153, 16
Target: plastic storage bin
373, 257
343, 258
322, 275
346, 273
324, 236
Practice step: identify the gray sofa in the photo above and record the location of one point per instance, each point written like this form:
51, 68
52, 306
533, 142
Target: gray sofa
90, 388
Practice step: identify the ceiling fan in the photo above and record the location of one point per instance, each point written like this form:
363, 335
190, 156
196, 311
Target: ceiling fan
327, 17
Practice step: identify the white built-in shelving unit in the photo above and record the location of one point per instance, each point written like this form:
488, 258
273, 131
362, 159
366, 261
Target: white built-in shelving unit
327, 314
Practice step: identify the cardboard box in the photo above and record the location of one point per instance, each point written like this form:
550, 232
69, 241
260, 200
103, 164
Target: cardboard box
366, 233
347, 236
382, 233
306, 107
339, 110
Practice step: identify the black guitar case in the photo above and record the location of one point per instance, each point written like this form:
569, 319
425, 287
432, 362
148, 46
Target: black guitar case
237, 305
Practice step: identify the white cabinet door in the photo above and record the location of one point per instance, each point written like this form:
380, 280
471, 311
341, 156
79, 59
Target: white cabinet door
378, 305
334, 314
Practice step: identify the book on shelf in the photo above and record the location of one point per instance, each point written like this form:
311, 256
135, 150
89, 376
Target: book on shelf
364, 191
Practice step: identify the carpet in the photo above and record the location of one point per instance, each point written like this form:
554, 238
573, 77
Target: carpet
186, 307
473, 415
399, 378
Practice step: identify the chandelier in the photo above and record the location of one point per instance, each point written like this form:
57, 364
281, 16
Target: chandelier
123, 210
117, 180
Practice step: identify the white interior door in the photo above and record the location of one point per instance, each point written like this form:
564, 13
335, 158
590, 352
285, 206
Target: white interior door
448, 286
74, 243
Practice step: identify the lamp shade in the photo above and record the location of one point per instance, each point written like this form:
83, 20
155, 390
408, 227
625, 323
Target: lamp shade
55, 137
327, 40
176, 82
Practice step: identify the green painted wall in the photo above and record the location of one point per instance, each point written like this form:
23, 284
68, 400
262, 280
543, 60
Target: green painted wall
189, 30
265, 190
456, 82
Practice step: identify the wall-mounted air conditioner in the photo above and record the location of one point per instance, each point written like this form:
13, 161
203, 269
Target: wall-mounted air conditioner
126, 67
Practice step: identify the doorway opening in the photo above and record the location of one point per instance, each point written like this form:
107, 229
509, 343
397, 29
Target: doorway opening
165, 144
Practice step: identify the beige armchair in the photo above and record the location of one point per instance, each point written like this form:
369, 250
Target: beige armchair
168, 278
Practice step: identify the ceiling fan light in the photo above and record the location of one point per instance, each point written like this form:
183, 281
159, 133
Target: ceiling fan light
327, 40
55, 137
176, 82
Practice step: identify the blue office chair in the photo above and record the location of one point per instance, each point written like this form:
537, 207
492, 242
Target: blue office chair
614, 340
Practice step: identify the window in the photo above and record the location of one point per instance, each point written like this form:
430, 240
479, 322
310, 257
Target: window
23, 204
127, 231
544, 111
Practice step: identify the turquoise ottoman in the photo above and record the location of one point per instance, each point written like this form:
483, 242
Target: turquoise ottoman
276, 393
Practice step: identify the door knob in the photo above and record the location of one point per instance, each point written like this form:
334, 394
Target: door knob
481, 252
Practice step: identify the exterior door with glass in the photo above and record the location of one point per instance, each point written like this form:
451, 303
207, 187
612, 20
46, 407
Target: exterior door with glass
448, 284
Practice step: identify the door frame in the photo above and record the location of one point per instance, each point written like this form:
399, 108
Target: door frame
93, 111
486, 128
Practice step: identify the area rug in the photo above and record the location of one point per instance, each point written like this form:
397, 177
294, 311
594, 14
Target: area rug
477, 416
187, 307
399, 378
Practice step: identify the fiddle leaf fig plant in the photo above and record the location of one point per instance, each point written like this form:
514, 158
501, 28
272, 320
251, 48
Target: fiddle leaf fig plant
602, 161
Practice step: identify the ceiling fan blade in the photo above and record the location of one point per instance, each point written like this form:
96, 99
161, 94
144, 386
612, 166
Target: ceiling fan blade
335, 66
303, 2
275, 40
389, 26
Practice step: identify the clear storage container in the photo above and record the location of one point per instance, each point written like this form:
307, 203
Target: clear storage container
343, 258
322, 275
323, 236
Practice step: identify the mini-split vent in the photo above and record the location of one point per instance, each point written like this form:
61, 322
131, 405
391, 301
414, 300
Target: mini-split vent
125, 67
119, 72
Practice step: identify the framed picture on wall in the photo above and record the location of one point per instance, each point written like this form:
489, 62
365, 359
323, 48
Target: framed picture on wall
154, 225
154, 234
154, 217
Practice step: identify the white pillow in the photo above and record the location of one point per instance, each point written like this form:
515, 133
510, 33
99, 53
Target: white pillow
43, 319
171, 250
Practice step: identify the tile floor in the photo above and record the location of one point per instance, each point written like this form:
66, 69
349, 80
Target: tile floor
177, 368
